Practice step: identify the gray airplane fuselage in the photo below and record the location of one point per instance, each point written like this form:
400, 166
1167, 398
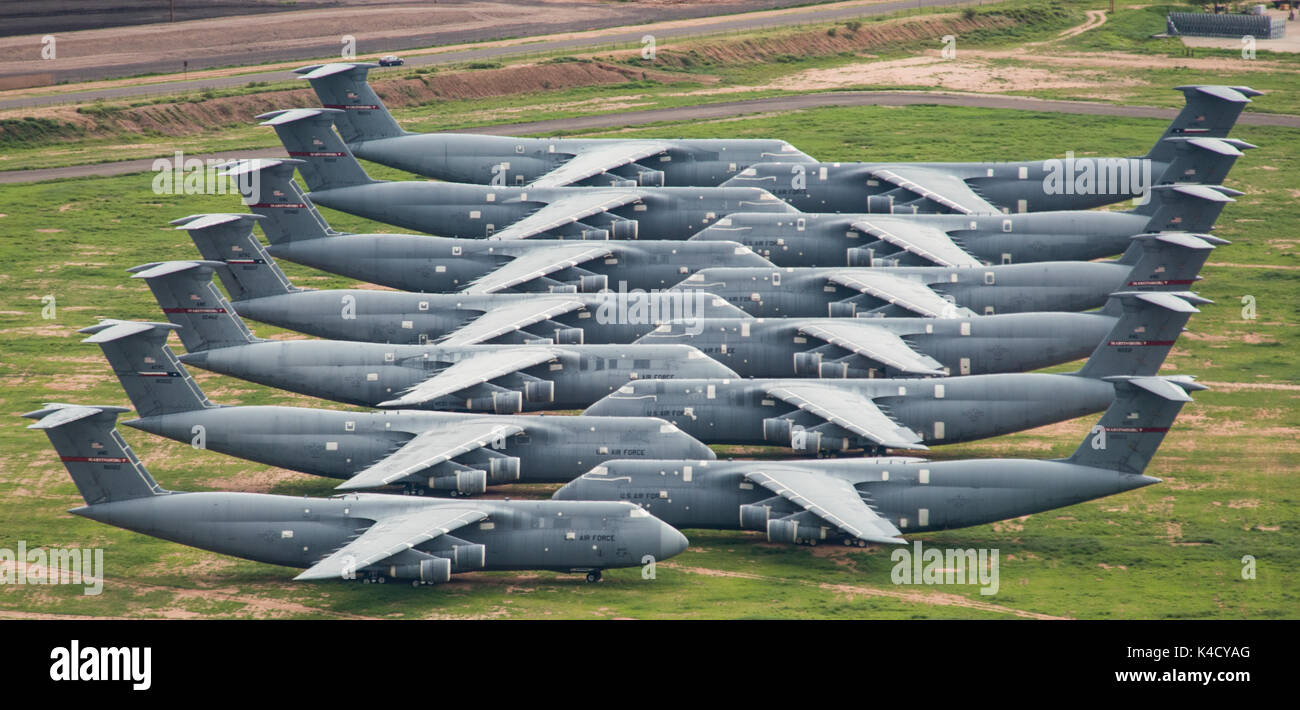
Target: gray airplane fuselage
339, 444
297, 532
1025, 186
503, 160
941, 410
367, 374
479, 211
831, 239
442, 265
1008, 288
976, 345
369, 315
952, 494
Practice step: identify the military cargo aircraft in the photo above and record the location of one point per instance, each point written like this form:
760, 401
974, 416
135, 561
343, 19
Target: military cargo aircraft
831, 415
1167, 261
261, 291
423, 452
968, 240
372, 134
921, 347
502, 379
297, 232
367, 536
1069, 183
335, 179
874, 501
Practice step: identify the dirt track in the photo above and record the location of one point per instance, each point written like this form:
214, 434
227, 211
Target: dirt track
377, 26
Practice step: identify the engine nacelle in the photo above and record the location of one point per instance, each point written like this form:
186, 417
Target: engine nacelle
860, 257
539, 391
467, 557
503, 469
624, 229
805, 441
470, 483
564, 288
595, 234
615, 181
594, 283
833, 370
650, 178
880, 204
754, 517
434, 571
906, 209
782, 530
807, 364
790, 531
498, 403
568, 336
777, 430
842, 309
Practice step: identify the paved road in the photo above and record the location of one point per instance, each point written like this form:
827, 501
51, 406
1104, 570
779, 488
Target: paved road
727, 23
706, 112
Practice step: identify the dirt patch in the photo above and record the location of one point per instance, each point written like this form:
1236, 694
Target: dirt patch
851, 590
822, 43
195, 117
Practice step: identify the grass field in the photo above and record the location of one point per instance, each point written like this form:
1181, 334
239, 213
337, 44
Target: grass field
1170, 550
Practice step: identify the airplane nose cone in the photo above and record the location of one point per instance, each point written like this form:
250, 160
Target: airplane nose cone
607, 407
671, 541
569, 491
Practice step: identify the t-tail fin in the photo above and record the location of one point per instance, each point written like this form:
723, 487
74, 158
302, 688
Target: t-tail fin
1185, 208
1148, 326
1210, 112
228, 238
308, 134
287, 213
99, 460
154, 380
1202, 161
343, 86
1167, 261
185, 292
1132, 428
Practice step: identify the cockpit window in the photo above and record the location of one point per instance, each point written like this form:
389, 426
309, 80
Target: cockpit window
639, 513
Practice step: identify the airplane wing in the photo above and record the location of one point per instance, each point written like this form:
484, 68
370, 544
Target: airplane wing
948, 190
872, 341
851, 411
472, 371
926, 242
832, 499
567, 210
901, 292
392, 535
600, 160
509, 318
537, 263
430, 448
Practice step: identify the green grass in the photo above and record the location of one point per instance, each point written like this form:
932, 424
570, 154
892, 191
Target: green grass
1171, 550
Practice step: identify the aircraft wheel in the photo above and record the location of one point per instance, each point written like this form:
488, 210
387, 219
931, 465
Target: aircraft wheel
382, 580
847, 542
415, 583
593, 576
812, 543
